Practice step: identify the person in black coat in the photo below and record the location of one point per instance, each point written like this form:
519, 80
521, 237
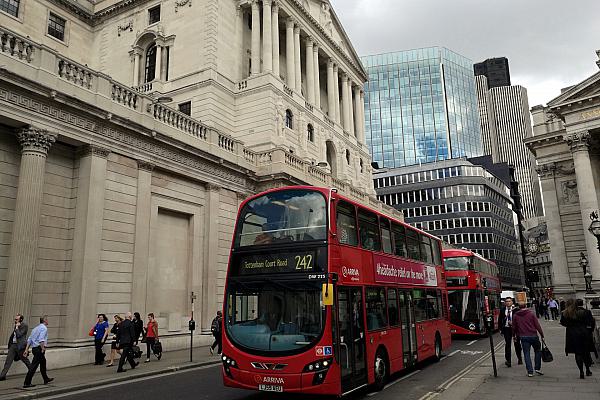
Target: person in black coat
578, 340
126, 338
505, 325
138, 325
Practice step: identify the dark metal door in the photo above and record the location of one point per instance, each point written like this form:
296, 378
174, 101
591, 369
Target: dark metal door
351, 338
409, 328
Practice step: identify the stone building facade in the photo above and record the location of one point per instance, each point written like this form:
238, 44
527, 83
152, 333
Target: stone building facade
113, 201
566, 146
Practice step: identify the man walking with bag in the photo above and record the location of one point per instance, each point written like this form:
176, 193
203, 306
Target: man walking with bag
526, 328
126, 337
16, 346
505, 322
215, 328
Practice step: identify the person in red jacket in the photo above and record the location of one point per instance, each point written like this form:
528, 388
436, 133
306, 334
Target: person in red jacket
526, 328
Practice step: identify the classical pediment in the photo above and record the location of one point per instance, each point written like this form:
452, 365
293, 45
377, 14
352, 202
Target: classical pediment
583, 91
322, 12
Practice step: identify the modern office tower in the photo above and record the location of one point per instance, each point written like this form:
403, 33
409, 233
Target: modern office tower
495, 70
505, 123
420, 107
467, 203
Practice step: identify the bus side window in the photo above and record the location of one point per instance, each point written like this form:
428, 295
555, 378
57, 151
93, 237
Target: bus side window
399, 240
386, 235
426, 255
433, 306
412, 241
368, 229
376, 309
346, 224
437, 256
420, 305
392, 305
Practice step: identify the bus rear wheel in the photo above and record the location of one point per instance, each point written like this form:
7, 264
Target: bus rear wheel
438, 348
380, 370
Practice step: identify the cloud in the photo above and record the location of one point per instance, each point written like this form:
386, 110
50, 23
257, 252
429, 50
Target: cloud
550, 44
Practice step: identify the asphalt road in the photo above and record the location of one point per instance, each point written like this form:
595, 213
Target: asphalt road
206, 383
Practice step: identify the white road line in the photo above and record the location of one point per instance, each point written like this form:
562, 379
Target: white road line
396, 381
453, 353
471, 342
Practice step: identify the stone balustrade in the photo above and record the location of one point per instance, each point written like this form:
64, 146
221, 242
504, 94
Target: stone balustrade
75, 73
144, 88
16, 46
124, 95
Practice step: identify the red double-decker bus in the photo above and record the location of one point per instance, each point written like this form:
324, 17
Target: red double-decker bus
325, 295
471, 281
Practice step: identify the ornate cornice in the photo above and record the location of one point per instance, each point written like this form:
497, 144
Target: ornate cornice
211, 187
578, 141
145, 165
92, 150
553, 169
35, 140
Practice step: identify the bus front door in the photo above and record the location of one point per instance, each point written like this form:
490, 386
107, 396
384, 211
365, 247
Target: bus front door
409, 328
351, 338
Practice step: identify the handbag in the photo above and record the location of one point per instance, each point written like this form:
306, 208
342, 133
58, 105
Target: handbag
157, 347
92, 331
546, 353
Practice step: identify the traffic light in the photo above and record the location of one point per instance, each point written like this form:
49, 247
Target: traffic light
532, 276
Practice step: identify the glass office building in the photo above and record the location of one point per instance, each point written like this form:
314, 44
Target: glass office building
420, 107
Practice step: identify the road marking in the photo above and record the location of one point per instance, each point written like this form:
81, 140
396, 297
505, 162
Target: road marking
453, 353
396, 381
471, 352
129, 381
471, 342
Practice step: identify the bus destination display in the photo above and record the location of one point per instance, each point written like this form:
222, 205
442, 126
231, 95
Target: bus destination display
274, 263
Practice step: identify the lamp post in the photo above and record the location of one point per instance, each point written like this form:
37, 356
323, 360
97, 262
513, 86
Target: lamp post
583, 263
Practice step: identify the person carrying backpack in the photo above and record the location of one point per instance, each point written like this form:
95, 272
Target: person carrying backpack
215, 328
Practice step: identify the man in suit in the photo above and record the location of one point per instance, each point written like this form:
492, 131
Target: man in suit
126, 338
16, 346
505, 323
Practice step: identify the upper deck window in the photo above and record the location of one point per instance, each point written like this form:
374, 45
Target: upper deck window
457, 263
285, 216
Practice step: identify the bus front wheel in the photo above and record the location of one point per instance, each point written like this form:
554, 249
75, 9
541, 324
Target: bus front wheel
438, 347
380, 369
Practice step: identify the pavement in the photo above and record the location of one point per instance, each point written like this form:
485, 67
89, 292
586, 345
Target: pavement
560, 381
88, 376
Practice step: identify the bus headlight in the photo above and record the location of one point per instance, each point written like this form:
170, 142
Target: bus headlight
320, 369
228, 363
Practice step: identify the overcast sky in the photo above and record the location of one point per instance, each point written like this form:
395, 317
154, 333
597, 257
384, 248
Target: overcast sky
550, 44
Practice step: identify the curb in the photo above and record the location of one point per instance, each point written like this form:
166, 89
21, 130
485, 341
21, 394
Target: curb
74, 388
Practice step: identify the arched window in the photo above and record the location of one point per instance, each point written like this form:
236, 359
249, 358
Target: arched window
289, 119
361, 166
310, 131
150, 66
348, 156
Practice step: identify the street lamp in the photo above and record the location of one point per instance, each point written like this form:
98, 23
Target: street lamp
583, 263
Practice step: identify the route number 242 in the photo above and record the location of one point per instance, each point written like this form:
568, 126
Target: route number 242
304, 263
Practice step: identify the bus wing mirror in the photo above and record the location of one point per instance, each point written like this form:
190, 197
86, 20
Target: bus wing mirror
327, 294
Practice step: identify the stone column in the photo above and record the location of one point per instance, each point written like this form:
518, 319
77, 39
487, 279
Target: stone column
310, 72
588, 200
267, 44
87, 241
275, 33
358, 129
290, 54
137, 54
351, 108
336, 91
158, 66
330, 90
362, 138
143, 211
560, 265
316, 75
22, 258
255, 49
297, 65
345, 102
210, 275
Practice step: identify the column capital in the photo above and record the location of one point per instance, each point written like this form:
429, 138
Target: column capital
330, 63
266, 4
296, 30
37, 140
578, 141
211, 187
315, 47
145, 165
309, 41
92, 150
290, 22
546, 171
275, 6
253, 3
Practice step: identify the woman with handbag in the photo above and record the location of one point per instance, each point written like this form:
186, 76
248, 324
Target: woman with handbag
151, 336
100, 333
114, 347
578, 339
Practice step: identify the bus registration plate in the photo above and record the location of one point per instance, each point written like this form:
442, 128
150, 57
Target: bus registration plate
271, 388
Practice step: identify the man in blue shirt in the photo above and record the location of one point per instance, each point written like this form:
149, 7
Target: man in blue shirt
37, 344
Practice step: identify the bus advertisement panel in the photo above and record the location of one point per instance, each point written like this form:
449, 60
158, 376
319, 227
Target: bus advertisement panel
324, 295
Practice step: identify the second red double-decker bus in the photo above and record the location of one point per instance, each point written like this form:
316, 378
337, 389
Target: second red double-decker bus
471, 278
324, 295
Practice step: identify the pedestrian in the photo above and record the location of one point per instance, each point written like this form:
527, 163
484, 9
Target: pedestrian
578, 339
114, 346
151, 336
545, 309
125, 337
17, 342
553, 306
138, 325
536, 306
100, 335
526, 328
505, 324
37, 342
215, 328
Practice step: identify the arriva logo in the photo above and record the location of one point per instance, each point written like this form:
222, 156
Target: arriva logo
273, 379
353, 273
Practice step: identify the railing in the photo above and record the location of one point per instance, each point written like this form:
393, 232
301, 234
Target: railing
294, 161
250, 156
227, 143
179, 120
265, 157
75, 73
144, 88
288, 91
317, 173
243, 85
338, 183
124, 95
16, 46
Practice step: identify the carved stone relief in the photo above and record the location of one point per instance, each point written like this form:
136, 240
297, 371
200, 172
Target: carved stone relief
569, 194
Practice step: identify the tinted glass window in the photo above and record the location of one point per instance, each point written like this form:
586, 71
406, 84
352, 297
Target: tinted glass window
10, 6
392, 304
376, 309
457, 263
346, 224
368, 229
426, 255
413, 244
386, 236
433, 305
399, 240
420, 305
437, 255
56, 26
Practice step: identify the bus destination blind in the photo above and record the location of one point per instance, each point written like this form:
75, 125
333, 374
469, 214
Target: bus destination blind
276, 263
